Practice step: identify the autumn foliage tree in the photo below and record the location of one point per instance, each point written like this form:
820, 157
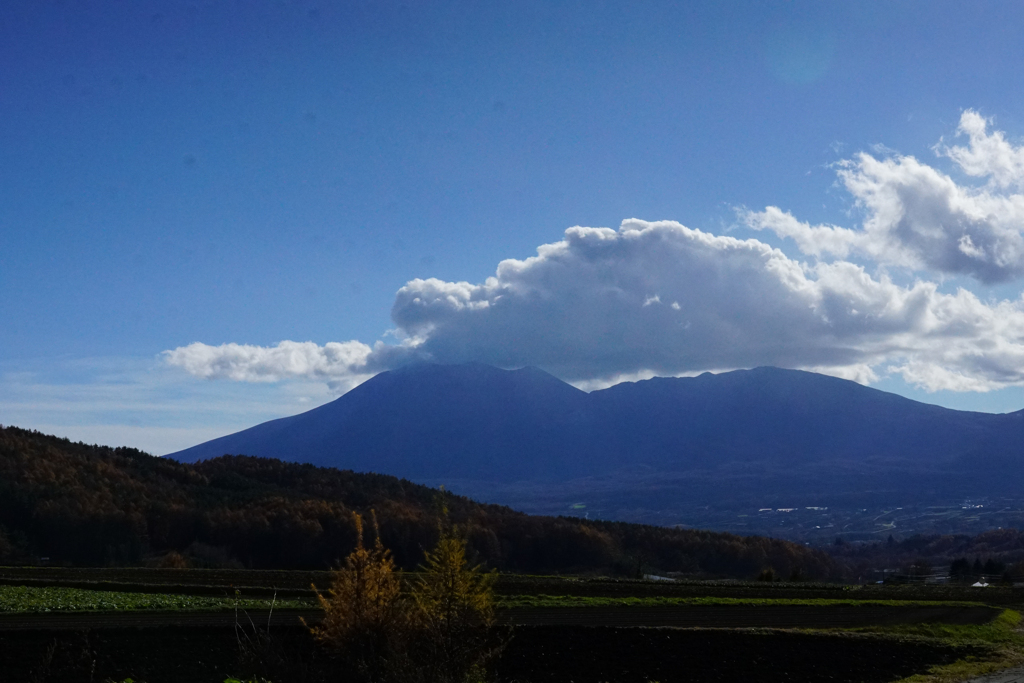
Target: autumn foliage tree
454, 605
440, 631
366, 619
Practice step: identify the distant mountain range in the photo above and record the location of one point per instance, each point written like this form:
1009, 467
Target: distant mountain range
639, 450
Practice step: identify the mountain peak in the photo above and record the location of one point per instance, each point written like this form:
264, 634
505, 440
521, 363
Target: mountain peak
433, 423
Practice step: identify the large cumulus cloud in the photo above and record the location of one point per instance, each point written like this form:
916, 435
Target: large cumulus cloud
653, 296
661, 298
664, 298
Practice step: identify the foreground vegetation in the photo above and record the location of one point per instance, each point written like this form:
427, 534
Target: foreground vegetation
952, 651
1001, 641
440, 631
198, 526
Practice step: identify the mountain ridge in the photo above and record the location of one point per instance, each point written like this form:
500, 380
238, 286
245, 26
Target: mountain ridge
742, 435
789, 398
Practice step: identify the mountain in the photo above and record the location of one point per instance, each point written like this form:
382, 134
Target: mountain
99, 506
525, 438
790, 417
429, 421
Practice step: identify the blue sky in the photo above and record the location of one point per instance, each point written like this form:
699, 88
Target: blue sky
179, 177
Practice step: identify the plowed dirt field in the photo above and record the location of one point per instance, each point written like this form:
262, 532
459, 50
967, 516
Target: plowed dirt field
706, 616
537, 654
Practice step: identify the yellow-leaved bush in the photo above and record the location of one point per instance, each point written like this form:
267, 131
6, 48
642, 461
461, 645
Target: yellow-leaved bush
454, 613
441, 631
365, 619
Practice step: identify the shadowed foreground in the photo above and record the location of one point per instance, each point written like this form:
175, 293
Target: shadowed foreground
207, 654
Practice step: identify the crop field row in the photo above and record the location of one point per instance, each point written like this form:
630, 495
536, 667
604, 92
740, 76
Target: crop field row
21, 599
542, 654
971, 626
554, 601
54, 599
844, 618
173, 577
541, 609
297, 585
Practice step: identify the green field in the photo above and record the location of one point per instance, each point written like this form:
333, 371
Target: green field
34, 599
549, 601
1001, 639
66, 599
981, 647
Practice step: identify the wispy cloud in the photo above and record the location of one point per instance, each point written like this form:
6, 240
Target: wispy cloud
987, 155
919, 218
340, 365
139, 402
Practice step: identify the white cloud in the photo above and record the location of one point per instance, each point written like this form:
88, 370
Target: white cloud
663, 299
139, 402
340, 364
816, 240
919, 218
986, 156
153, 440
581, 308
860, 373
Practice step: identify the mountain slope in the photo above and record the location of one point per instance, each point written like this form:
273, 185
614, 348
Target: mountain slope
790, 417
474, 422
424, 421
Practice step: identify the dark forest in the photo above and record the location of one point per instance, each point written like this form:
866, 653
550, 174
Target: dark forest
83, 505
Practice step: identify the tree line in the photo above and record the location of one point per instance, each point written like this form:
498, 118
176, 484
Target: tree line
997, 554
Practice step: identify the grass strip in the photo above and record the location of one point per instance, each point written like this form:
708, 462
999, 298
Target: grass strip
509, 601
1001, 637
64, 599
34, 599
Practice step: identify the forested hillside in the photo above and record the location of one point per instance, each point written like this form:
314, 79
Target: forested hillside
995, 552
94, 505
